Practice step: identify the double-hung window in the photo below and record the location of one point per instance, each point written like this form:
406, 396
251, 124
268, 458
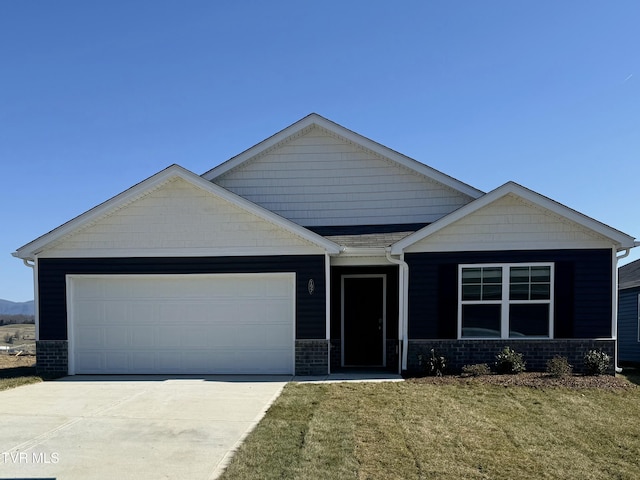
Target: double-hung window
505, 300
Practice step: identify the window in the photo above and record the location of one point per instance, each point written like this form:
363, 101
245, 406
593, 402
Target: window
505, 301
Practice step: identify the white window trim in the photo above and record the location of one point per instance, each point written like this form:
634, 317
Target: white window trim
505, 302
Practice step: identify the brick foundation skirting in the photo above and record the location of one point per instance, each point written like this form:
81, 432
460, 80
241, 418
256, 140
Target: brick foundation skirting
52, 357
535, 352
312, 357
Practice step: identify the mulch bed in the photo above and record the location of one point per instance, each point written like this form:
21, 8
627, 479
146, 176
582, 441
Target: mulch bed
526, 379
532, 380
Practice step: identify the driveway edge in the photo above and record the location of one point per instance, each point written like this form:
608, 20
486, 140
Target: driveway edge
224, 463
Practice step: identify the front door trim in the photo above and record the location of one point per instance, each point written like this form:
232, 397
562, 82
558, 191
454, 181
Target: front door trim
383, 276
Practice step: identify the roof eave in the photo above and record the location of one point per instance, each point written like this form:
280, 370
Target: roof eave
33, 248
620, 240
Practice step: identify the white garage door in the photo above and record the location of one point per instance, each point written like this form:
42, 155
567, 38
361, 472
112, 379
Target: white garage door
182, 324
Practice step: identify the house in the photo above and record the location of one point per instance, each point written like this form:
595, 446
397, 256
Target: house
315, 250
629, 312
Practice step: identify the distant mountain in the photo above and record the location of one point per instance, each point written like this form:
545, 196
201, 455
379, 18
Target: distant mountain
16, 308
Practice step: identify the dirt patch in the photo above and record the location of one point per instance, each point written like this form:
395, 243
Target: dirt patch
12, 361
532, 380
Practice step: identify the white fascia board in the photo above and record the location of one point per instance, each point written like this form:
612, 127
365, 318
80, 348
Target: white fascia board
621, 240
40, 243
350, 136
29, 250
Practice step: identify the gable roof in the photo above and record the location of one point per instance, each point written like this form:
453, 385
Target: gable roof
36, 246
315, 120
620, 239
629, 275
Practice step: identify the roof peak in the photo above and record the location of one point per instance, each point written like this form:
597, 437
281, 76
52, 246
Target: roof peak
349, 135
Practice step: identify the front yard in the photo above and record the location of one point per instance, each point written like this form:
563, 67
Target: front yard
17, 370
447, 429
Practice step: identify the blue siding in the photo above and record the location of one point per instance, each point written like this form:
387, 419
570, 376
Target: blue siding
310, 309
583, 286
628, 345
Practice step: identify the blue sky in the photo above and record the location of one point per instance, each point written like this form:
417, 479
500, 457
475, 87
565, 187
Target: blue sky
97, 96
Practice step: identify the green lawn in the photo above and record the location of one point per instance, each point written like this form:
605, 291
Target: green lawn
413, 430
16, 376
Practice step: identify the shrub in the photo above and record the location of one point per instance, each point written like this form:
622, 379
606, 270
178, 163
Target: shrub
559, 367
476, 370
436, 364
509, 361
596, 362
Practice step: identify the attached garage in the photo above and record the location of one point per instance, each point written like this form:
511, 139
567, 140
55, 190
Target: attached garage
181, 324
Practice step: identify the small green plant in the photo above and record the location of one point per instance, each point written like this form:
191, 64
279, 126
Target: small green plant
435, 364
8, 338
559, 367
596, 362
476, 370
509, 361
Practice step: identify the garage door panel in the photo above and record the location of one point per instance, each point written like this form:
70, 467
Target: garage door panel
247, 311
87, 310
195, 312
168, 360
194, 337
91, 337
170, 313
279, 288
142, 311
116, 309
232, 323
114, 337
143, 361
168, 336
276, 309
91, 360
114, 363
275, 334
141, 337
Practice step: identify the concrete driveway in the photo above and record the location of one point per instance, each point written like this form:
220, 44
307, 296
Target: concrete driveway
129, 427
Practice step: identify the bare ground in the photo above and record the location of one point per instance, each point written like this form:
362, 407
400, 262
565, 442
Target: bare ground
13, 361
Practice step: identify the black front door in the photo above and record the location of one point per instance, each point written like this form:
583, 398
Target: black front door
363, 320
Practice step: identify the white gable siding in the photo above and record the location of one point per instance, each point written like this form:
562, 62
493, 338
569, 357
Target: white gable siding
180, 219
318, 179
510, 224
